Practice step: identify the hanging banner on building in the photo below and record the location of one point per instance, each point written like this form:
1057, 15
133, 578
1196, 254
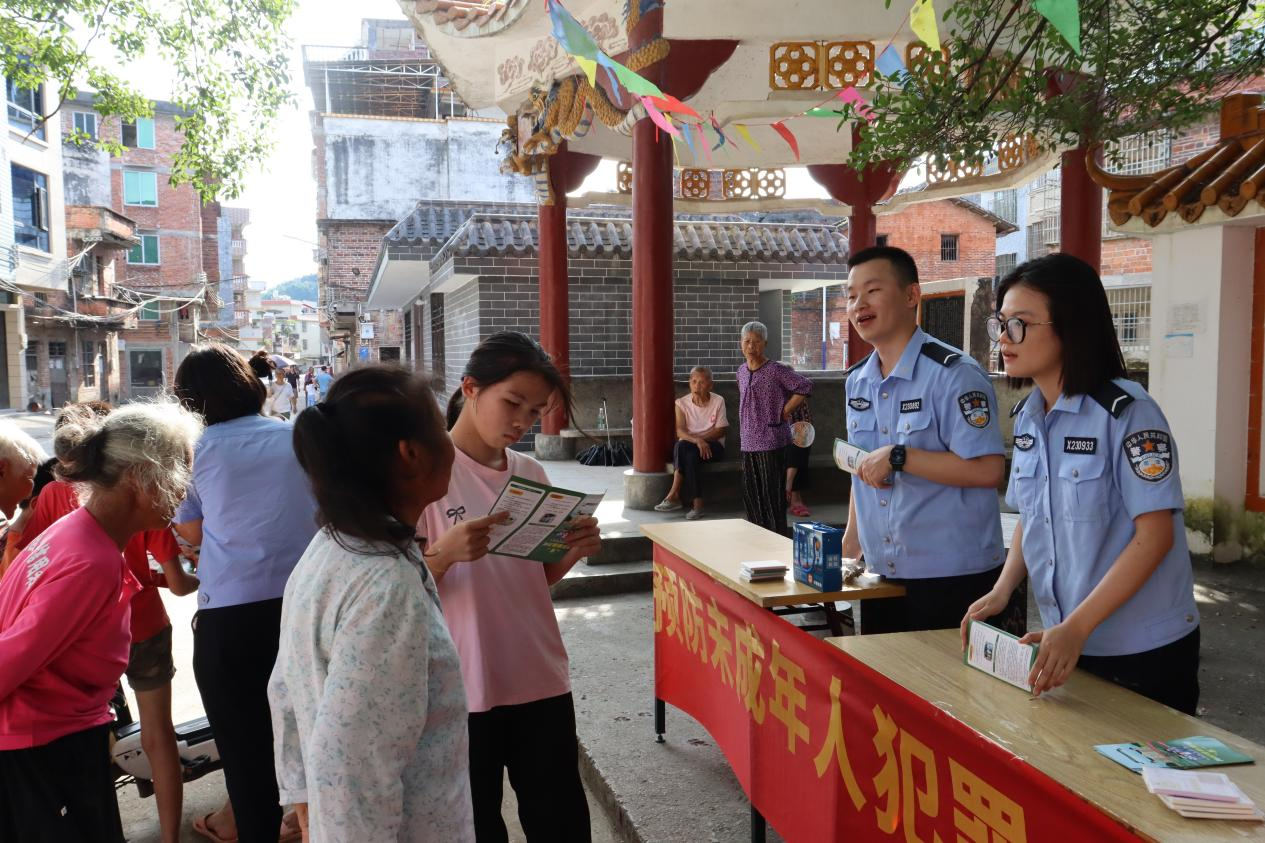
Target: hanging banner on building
827, 748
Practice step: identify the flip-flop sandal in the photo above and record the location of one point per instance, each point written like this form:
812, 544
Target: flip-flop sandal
202, 826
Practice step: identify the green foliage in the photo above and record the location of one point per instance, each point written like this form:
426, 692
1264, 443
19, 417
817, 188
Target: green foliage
227, 57
302, 288
1144, 65
1219, 522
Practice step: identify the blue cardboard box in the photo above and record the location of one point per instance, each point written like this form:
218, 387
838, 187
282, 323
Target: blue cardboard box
819, 556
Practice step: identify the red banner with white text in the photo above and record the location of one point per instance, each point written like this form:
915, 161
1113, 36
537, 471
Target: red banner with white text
827, 748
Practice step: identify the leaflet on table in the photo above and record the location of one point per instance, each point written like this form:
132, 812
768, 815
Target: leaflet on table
848, 456
999, 654
1180, 754
539, 516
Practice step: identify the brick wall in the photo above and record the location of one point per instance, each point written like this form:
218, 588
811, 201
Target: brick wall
1126, 256
917, 230
804, 349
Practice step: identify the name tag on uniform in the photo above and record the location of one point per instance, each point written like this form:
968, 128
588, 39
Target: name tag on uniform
1080, 445
912, 406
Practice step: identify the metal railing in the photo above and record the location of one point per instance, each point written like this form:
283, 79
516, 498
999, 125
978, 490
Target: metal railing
1131, 312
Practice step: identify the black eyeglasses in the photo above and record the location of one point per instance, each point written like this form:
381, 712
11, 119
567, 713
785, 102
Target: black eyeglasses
1014, 328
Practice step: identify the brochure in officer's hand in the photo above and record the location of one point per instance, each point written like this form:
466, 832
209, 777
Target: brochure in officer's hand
999, 654
848, 456
539, 516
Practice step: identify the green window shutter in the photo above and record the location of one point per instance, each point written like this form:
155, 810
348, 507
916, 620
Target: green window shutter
145, 133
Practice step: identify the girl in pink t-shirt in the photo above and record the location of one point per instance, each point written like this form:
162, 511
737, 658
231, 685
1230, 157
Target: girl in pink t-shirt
498, 608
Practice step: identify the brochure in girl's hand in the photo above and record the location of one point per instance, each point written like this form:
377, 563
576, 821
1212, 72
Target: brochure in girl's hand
1181, 754
539, 516
999, 654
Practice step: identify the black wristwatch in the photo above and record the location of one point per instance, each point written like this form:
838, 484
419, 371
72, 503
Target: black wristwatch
897, 458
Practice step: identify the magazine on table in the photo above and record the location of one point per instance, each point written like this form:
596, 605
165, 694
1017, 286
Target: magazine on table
1181, 754
540, 516
998, 653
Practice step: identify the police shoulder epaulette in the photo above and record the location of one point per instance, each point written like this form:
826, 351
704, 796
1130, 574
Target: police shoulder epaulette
941, 354
1014, 411
1112, 397
848, 371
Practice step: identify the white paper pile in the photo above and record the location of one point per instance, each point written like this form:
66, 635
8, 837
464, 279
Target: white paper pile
763, 571
1192, 793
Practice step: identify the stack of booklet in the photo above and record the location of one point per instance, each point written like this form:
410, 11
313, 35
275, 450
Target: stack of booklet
1201, 795
763, 571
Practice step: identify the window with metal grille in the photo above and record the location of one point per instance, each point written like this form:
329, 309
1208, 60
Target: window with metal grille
1141, 153
1006, 264
944, 318
1131, 313
89, 367
948, 247
1006, 205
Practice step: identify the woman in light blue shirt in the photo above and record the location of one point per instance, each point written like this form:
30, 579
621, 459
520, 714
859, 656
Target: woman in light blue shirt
246, 479
1094, 477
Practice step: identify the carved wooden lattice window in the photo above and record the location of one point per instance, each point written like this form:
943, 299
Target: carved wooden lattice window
848, 63
795, 65
695, 184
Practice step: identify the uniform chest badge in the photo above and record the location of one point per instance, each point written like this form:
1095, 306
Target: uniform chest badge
974, 406
859, 403
1150, 454
1025, 441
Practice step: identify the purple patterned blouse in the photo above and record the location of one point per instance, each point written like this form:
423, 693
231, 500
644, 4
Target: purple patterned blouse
761, 396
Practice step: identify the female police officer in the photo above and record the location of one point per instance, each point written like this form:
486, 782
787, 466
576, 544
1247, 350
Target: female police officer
1095, 480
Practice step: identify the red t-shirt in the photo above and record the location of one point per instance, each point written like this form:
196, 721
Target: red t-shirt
56, 500
64, 609
148, 615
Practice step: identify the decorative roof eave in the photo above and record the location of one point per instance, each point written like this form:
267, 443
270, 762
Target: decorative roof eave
1223, 183
710, 206
1015, 177
470, 18
1002, 225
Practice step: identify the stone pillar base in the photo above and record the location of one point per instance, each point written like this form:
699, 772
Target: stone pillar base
644, 489
555, 448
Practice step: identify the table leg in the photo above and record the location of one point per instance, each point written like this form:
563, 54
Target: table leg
660, 718
758, 826
834, 620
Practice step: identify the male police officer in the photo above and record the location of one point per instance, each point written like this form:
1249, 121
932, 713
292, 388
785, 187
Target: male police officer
924, 507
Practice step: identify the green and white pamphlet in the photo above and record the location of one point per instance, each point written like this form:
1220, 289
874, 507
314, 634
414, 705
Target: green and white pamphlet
998, 653
539, 516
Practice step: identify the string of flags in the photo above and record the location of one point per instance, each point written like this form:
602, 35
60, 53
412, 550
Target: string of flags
685, 125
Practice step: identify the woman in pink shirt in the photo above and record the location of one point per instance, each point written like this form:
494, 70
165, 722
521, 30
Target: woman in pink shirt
701, 425
498, 608
65, 610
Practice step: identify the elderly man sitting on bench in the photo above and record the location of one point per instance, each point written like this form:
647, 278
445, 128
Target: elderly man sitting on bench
701, 424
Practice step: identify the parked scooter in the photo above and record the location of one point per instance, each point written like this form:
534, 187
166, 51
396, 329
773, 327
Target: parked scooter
194, 742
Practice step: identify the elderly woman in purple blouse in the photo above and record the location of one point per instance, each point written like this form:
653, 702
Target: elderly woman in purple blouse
768, 393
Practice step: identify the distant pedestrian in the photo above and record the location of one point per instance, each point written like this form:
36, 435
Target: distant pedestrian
323, 381
261, 365
280, 398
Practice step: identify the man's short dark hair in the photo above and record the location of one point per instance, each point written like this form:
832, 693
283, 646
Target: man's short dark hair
903, 265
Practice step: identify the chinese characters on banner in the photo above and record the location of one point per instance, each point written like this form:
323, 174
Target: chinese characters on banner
828, 749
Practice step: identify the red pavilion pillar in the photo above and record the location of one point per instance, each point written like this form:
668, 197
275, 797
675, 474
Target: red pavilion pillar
1080, 209
567, 171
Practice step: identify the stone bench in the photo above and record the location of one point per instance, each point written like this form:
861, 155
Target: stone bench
615, 432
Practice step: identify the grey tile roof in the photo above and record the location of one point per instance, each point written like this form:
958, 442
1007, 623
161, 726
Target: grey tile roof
490, 229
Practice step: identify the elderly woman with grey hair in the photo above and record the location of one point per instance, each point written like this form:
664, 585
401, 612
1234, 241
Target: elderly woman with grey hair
64, 620
768, 393
20, 455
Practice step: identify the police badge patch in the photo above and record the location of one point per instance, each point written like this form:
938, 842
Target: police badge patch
974, 407
1150, 454
859, 403
1025, 441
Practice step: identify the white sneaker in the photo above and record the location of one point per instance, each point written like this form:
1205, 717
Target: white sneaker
666, 505
694, 515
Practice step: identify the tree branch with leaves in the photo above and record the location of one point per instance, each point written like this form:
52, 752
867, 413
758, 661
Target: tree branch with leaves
1144, 65
228, 61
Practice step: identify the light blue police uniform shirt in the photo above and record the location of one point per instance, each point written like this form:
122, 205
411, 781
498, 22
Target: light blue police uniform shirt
936, 399
1080, 475
257, 510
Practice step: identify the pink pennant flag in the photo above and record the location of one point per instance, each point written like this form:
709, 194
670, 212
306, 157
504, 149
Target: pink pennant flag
671, 104
707, 149
657, 116
781, 129
853, 97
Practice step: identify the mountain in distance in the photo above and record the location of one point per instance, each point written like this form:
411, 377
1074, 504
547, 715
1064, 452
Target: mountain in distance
302, 288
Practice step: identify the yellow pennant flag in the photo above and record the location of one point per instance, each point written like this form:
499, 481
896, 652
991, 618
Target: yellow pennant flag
746, 135
922, 20
589, 67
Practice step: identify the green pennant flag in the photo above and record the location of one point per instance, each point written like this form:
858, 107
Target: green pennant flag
1065, 16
